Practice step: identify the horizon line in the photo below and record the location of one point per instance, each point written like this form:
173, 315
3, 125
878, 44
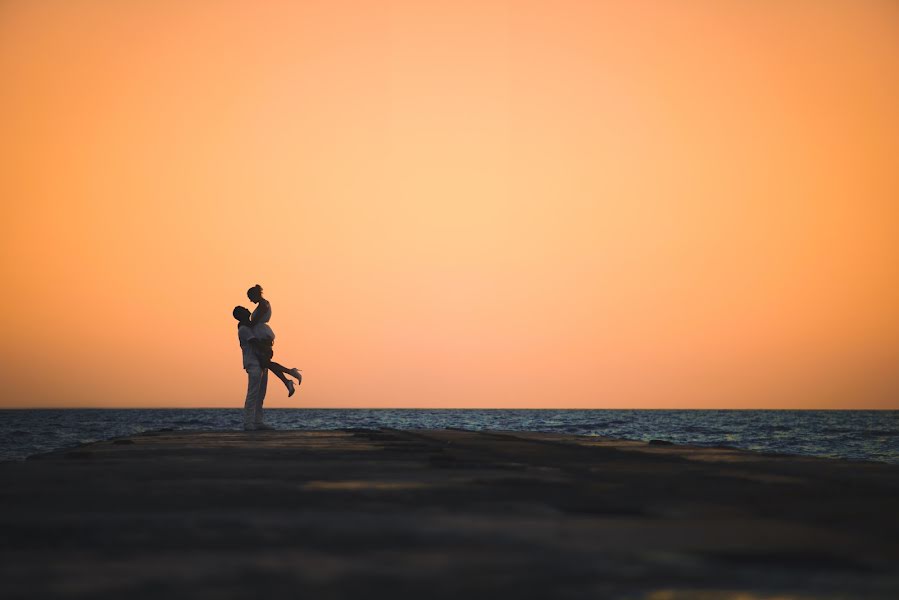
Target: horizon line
420, 408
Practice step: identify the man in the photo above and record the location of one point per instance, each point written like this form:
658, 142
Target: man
257, 375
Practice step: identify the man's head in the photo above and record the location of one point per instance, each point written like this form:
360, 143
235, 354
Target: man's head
241, 313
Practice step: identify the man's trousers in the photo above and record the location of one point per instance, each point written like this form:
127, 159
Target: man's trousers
257, 382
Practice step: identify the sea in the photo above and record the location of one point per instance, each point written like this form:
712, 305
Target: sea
849, 434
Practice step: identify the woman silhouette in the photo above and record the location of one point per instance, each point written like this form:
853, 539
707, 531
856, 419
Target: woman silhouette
259, 322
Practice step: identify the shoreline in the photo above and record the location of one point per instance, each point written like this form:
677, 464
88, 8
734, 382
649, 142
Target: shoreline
863, 436
766, 453
587, 437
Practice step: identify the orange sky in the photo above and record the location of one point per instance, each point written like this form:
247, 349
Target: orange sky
453, 204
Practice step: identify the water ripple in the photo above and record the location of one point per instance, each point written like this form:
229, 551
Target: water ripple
858, 435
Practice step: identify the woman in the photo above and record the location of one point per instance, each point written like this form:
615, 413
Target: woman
259, 322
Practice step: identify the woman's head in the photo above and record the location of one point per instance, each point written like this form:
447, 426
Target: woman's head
255, 293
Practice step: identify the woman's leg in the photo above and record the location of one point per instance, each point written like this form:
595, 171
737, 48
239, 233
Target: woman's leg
275, 367
265, 353
279, 371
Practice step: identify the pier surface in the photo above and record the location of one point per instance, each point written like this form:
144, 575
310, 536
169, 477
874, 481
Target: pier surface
442, 514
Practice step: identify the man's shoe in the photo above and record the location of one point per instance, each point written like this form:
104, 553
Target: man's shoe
249, 427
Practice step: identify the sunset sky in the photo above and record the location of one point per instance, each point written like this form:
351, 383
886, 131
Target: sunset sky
467, 203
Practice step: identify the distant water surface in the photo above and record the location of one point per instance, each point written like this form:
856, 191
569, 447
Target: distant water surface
853, 434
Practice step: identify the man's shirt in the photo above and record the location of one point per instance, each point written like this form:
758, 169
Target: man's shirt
244, 335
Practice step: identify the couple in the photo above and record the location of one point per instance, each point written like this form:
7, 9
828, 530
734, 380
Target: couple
256, 341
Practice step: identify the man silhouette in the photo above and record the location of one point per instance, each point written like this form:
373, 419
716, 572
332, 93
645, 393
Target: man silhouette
257, 375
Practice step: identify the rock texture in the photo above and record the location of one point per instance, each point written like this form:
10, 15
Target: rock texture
442, 514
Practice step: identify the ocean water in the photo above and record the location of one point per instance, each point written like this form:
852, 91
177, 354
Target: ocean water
853, 434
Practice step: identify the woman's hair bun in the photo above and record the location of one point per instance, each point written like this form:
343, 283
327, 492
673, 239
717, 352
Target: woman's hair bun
258, 287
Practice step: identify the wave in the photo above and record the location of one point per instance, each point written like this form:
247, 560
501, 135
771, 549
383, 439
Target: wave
872, 433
